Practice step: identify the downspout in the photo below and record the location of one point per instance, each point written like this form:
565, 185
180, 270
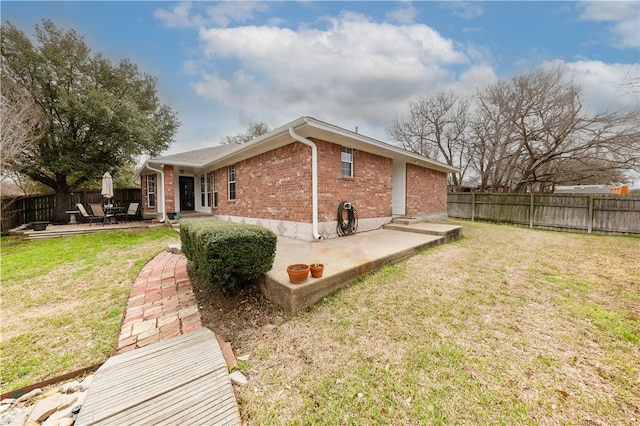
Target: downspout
161, 186
314, 181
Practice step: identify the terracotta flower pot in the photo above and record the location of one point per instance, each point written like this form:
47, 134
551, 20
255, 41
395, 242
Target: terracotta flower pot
316, 269
298, 273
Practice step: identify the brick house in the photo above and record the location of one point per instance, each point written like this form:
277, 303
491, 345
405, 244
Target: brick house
292, 180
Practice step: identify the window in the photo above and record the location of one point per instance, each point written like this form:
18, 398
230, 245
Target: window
151, 190
215, 189
232, 182
346, 156
205, 191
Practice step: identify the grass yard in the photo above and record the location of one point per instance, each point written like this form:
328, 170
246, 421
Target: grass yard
63, 299
506, 326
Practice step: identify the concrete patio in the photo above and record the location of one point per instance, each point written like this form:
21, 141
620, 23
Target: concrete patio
348, 258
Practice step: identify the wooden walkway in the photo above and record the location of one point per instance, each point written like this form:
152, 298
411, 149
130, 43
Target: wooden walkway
182, 380
57, 231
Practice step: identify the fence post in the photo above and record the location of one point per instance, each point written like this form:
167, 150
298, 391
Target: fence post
590, 223
531, 207
473, 206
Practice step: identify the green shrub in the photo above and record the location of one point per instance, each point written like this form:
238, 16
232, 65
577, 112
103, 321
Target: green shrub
227, 254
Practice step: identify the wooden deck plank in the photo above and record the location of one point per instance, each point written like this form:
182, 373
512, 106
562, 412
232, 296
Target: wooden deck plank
182, 369
209, 394
152, 384
175, 405
183, 378
223, 414
198, 404
157, 382
143, 367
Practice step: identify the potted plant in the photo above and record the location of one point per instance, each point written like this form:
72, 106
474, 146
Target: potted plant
298, 273
316, 269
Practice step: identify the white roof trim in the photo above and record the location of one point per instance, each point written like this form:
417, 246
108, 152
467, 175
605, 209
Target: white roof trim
304, 125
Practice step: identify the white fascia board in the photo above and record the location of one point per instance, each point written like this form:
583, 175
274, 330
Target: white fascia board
310, 127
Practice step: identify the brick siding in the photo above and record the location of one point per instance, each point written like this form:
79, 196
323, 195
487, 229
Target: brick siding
426, 191
274, 185
169, 190
369, 191
277, 185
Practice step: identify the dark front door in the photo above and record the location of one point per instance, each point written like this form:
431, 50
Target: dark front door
187, 193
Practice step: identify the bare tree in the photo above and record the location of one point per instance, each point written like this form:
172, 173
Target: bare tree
437, 128
588, 171
529, 129
22, 123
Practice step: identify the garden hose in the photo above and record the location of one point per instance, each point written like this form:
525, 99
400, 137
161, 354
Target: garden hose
350, 225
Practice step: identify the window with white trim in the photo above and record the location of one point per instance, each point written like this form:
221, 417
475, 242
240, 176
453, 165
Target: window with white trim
151, 190
215, 189
232, 182
346, 157
205, 191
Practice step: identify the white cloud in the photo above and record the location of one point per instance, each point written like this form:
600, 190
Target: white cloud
226, 12
464, 9
353, 69
476, 77
178, 17
624, 18
405, 13
603, 85
183, 15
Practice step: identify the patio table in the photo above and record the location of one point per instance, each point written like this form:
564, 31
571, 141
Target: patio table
113, 210
72, 216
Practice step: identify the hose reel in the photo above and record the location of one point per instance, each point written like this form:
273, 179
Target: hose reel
348, 225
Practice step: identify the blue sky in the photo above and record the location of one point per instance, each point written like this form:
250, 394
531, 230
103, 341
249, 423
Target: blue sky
221, 65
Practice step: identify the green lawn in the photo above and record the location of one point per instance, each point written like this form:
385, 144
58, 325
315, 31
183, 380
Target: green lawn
63, 299
506, 326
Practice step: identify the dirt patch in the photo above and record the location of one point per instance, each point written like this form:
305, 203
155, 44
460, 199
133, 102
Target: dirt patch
241, 316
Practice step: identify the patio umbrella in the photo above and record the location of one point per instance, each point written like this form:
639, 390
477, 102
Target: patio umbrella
107, 186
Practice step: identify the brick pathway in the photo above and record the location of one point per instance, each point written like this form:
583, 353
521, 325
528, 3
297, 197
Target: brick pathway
161, 304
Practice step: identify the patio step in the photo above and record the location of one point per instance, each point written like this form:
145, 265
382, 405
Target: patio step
406, 220
58, 231
449, 232
45, 235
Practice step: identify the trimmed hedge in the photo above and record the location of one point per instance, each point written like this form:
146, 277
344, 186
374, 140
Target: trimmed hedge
227, 254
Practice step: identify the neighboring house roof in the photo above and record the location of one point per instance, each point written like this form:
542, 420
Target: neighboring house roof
308, 127
583, 189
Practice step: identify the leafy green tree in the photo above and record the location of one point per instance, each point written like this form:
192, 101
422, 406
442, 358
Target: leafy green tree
100, 116
253, 131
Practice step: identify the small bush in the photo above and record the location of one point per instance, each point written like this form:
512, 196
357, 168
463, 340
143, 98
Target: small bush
227, 254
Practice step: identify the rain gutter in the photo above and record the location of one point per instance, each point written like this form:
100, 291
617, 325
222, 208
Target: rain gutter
314, 180
164, 213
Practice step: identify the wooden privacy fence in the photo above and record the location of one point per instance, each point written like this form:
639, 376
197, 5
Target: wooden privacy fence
588, 213
20, 210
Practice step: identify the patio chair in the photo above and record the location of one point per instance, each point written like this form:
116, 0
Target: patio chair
99, 212
132, 210
86, 216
